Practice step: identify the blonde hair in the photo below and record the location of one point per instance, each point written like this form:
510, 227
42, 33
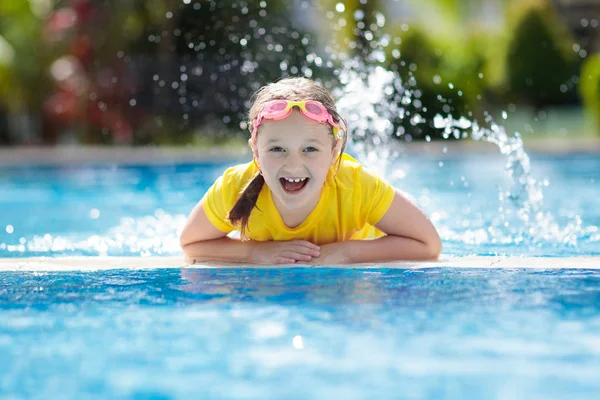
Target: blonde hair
295, 89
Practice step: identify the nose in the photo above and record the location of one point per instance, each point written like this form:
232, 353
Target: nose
294, 163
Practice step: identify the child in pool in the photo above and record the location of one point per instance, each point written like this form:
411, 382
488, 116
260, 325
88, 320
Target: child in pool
301, 199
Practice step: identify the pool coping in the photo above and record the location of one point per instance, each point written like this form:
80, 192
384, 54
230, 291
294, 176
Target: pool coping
151, 155
49, 264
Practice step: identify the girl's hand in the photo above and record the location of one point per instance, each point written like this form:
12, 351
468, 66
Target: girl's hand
284, 252
333, 253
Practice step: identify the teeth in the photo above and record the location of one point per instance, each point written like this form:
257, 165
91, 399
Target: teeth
295, 180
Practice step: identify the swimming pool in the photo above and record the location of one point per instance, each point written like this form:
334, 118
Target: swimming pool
463, 333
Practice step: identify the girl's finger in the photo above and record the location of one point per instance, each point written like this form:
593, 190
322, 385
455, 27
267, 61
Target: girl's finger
306, 243
284, 260
298, 256
306, 250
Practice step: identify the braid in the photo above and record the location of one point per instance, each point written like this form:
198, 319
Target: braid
240, 212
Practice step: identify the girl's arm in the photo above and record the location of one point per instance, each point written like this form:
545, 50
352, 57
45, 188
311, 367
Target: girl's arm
200, 240
410, 236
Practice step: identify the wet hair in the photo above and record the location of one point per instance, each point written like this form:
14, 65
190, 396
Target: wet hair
295, 89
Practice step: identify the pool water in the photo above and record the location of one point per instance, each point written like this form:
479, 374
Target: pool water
319, 333
133, 210
301, 333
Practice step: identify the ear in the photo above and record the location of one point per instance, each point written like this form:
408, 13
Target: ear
336, 151
254, 148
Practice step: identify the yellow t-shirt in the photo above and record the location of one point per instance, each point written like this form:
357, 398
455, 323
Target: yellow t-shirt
350, 204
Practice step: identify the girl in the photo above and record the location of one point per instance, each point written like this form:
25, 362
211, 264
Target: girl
301, 199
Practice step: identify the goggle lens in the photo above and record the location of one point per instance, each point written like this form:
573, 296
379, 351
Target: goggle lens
277, 106
314, 109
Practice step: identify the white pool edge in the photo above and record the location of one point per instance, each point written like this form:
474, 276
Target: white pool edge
143, 263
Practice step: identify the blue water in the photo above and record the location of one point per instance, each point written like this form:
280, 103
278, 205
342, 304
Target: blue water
298, 333
127, 210
301, 333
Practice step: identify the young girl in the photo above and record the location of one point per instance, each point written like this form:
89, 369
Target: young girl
301, 199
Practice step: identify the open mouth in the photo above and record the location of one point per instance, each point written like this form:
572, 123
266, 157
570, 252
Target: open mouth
293, 185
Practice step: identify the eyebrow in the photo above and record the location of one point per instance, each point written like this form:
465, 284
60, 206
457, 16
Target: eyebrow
276, 140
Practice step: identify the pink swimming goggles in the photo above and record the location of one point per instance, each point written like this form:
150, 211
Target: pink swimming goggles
276, 110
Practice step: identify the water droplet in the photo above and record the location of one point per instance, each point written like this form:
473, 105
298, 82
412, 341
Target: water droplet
94, 213
380, 18
439, 121
298, 342
10, 229
340, 7
504, 115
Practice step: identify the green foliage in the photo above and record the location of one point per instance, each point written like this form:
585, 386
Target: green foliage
540, 61
22, 60
589, 87
238, 52
442, 79
191, 64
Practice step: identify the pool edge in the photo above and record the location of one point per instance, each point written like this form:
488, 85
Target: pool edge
137, 263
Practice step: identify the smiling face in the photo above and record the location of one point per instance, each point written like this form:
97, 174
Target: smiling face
294, 155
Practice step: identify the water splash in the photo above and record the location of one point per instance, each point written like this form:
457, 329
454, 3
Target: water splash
525, 193
366, 97
145, 236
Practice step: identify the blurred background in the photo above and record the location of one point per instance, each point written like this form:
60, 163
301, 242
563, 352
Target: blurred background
181, 72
